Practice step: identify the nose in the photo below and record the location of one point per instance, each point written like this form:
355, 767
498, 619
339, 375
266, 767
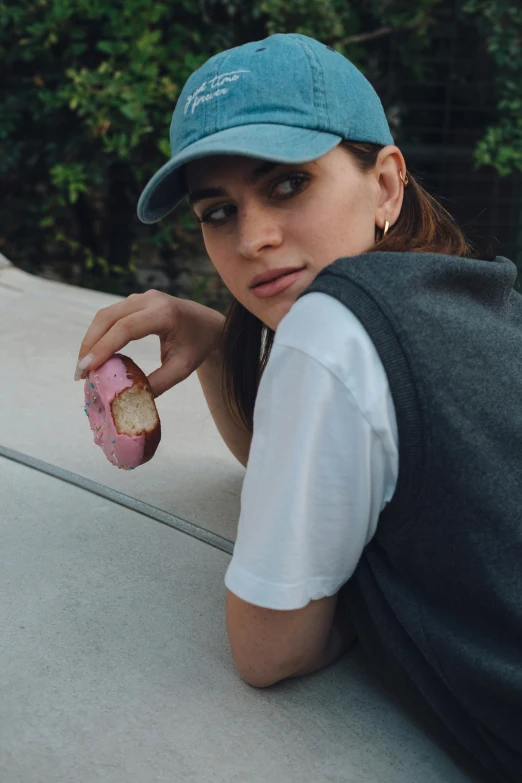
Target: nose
258, 231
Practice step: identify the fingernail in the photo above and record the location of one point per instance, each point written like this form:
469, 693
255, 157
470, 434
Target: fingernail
82, 365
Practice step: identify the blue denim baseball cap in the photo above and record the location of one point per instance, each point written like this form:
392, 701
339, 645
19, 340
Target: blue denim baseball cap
287, 99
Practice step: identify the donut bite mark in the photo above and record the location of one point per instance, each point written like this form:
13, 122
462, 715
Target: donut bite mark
134, 410
122, 413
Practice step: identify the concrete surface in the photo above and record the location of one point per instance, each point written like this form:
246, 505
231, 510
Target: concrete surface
42, 324
114, 660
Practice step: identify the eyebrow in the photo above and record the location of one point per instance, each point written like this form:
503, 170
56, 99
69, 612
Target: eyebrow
253, 177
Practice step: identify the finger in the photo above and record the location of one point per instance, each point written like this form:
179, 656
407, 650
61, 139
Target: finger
132, 327
105, 319
172, 372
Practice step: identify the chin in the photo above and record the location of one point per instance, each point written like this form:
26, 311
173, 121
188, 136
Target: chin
273, 319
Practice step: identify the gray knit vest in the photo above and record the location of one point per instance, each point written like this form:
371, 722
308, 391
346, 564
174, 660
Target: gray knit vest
437, 594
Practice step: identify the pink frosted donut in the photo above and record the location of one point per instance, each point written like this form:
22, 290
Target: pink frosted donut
122, 413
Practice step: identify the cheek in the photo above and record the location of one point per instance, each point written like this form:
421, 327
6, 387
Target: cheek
348, 226
220, 252
215, 248
327, 232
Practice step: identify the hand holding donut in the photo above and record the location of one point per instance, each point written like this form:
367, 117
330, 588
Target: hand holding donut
187, 331
119, 399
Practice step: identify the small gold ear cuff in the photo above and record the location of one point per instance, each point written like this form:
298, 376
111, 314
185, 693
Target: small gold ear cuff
404, 178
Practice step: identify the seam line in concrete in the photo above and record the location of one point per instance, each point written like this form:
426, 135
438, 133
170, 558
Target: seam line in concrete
164, 517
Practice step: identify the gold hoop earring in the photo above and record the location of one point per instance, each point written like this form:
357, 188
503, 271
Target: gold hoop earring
386, 227
405, 178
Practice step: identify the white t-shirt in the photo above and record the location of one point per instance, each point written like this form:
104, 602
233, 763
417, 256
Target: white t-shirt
323, 461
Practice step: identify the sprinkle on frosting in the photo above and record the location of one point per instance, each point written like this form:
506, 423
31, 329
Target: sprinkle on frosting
110, 380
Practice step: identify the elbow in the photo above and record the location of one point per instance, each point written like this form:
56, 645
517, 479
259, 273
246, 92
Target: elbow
259, 682
261, 677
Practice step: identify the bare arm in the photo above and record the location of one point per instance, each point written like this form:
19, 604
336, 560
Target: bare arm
237, 438
342, 636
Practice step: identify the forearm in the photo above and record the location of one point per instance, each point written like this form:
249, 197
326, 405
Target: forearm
341, 638
237, 438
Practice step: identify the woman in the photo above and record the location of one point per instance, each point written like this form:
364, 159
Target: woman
372, 390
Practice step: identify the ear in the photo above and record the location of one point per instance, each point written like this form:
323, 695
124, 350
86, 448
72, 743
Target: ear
388, 167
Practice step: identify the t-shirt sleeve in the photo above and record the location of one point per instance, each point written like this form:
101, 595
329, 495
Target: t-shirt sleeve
317, 478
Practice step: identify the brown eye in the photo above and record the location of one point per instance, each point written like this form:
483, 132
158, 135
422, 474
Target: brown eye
216, 215
291, 184
285, 187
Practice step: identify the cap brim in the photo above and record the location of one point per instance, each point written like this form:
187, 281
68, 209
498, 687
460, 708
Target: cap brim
280, 143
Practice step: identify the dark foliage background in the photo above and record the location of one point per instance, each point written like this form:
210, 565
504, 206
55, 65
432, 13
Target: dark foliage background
88, 88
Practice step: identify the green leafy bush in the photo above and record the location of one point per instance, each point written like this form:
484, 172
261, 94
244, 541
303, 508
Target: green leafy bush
88, 88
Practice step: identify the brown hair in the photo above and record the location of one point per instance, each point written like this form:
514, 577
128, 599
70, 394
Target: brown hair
423, 226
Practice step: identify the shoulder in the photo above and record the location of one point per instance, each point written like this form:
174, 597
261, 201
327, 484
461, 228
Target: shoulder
321, 327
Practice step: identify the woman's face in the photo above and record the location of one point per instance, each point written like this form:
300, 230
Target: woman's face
259, 216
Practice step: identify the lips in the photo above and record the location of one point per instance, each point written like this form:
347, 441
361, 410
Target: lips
277, 286
269, 277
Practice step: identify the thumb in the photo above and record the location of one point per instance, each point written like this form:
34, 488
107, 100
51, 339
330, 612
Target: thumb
172, 372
